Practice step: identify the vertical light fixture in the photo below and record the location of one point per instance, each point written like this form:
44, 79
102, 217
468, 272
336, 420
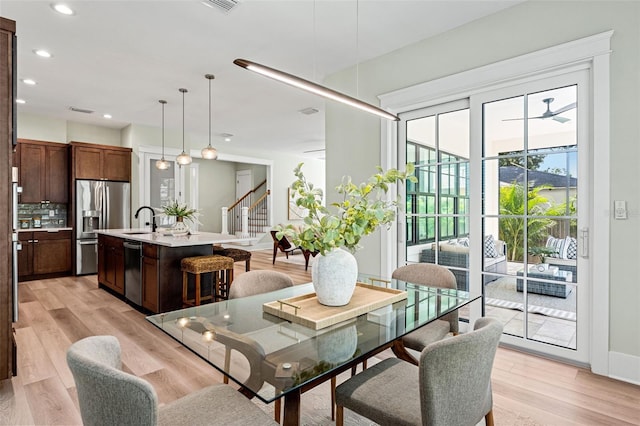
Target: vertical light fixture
209, 152
162, 164
183, 159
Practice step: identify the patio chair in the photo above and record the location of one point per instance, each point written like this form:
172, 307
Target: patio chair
434, 276
109, 396
451, 385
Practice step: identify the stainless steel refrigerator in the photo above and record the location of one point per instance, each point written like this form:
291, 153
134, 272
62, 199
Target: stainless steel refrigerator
99, 205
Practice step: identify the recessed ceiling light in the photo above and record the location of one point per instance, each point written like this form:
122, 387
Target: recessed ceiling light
29, 81
227, 136
107, 115
43, 53
21, 101
63, 9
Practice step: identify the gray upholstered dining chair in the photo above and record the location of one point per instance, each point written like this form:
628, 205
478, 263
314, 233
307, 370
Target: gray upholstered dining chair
109, 396
257, 282
451, 385
251, 283
433, 276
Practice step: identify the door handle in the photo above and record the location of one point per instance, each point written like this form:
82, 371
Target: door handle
584, 242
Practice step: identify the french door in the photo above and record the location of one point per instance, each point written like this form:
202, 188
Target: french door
502, 200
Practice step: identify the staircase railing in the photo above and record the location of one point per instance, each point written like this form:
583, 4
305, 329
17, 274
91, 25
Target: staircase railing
246, 216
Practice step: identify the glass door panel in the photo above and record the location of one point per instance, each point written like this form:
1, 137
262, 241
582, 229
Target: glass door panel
437, 205
529, 218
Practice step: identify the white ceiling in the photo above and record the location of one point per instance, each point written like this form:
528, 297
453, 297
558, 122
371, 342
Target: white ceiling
121, 57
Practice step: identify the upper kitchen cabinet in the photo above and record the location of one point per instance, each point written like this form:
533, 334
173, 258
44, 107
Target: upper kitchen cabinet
44, 171
100, 162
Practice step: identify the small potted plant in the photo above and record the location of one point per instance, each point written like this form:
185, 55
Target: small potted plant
363, 209
181, 212
540, 253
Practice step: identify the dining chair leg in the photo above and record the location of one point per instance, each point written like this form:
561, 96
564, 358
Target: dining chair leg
333, 398
401, 352
339, 415
488, 418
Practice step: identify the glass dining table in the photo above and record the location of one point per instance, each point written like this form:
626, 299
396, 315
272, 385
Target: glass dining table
272, 358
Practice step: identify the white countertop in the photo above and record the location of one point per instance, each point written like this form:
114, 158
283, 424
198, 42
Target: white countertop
146, 236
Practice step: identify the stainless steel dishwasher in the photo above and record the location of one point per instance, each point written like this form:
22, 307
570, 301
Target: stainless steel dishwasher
133, 272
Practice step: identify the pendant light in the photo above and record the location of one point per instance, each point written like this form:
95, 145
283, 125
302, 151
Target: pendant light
183, 159
315, 88
209, 152
162, 164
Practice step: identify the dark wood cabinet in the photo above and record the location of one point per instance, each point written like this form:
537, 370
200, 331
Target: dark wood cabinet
111, 263
100, 162
44, 171
44, 254
150, 277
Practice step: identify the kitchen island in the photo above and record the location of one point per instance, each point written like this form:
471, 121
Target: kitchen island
144, 266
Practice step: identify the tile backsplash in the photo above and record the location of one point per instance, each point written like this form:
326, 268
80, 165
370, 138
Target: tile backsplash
41, 215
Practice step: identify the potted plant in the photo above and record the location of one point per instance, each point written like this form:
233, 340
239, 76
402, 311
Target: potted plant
540, 253
181, 212
363, 209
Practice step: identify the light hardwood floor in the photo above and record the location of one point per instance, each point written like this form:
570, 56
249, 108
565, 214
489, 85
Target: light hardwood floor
54, 313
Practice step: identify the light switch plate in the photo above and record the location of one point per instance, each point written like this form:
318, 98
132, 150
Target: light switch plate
620, 209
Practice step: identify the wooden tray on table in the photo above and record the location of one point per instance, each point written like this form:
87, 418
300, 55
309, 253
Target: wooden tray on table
312, 314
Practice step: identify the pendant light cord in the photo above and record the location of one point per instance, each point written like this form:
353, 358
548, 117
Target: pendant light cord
183, 90
357, 49
209, 112
163, 102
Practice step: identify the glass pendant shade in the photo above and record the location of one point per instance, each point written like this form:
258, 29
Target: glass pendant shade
162, 164
183, 159
209, 152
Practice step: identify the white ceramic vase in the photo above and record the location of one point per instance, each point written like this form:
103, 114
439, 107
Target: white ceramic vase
338, 346
334, 277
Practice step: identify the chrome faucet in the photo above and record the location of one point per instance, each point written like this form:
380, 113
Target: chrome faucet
153, 217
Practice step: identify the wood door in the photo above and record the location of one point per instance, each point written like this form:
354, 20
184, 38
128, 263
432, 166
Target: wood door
32, 164
51, 254
87, 162
25, 255
150, 283
116, 165
101, 259
118, 260
57, 174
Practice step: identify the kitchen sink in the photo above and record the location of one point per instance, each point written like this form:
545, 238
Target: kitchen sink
136, 232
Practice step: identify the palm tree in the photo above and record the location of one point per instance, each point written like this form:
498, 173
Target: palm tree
512, 223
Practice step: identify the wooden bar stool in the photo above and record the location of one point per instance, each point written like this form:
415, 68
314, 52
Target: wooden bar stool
221, 268
237, 255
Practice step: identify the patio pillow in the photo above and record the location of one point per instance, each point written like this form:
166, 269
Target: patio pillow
572, 248
558, 246
490, 247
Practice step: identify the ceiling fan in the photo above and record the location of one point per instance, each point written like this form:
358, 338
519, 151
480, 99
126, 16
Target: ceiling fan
550, 114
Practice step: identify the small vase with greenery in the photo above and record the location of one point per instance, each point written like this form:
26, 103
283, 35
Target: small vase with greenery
363, 209
181, 212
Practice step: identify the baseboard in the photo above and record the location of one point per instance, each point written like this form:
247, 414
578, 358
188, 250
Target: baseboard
624, 367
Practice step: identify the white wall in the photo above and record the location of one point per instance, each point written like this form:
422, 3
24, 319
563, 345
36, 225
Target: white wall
524, 28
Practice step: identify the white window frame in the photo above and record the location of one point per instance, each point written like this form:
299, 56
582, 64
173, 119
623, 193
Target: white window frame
592, 53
